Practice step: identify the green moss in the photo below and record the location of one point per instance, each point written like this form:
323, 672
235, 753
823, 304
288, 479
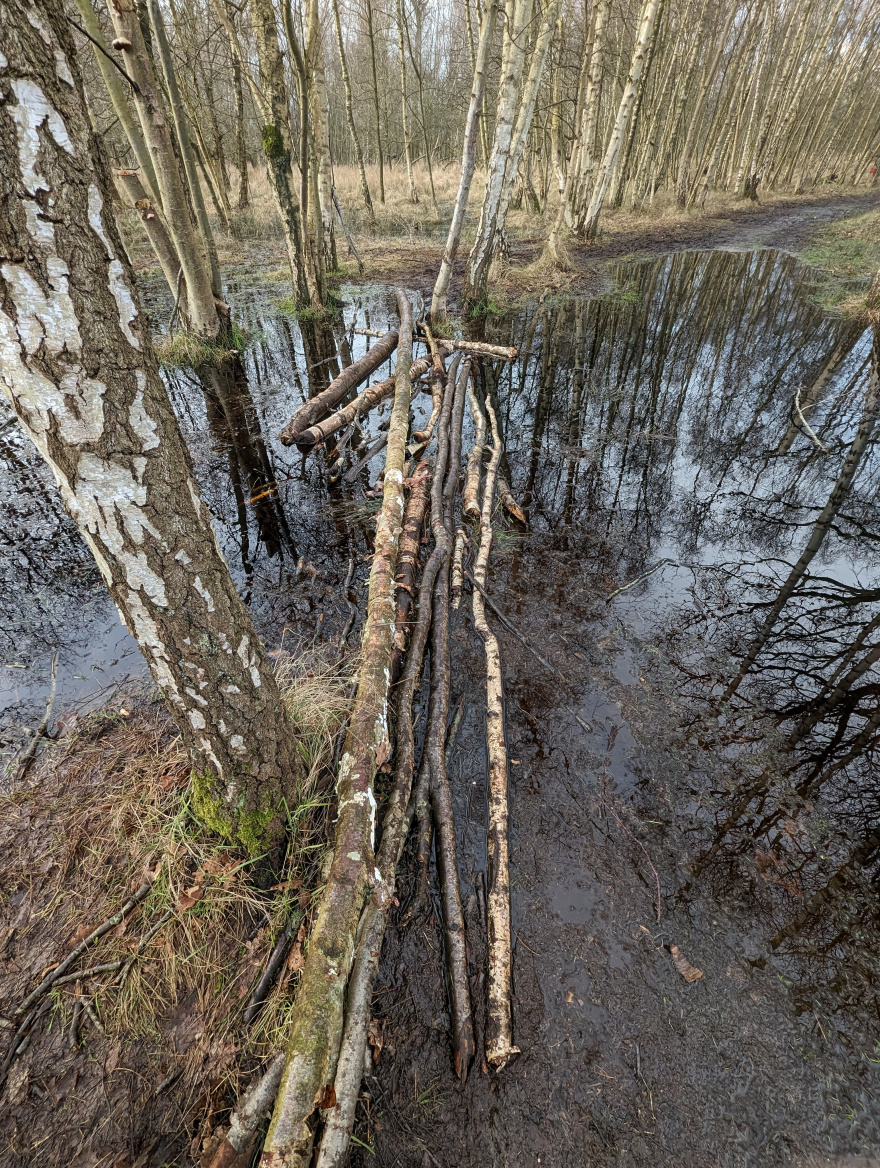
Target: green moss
273, 142
250, 829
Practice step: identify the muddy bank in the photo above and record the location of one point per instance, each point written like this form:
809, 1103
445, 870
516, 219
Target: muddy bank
653, 435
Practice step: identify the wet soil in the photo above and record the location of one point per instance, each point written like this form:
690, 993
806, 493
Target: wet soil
656, 828
786, 224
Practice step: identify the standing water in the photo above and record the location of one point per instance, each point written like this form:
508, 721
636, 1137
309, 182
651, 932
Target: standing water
694, 807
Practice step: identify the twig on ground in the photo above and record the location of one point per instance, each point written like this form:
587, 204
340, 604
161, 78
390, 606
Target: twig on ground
96, 934
29, 755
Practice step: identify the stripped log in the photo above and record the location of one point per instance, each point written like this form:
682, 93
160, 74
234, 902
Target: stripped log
395, 829
508, 501
461, 540
408, 560
435, 753
478, 348
499, 1032
372, 396
250, 1111
440, 553
316, 1026
470, 498
318, 407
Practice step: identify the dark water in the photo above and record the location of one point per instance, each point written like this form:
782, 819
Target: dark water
650, 436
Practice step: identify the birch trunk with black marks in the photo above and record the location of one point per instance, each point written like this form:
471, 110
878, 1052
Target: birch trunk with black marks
468, 163
79, 371
512, 65
316, 1026
588, 225
499, 1026
318, 105
190, 244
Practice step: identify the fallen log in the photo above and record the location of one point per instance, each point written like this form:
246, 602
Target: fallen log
408, 560
470, 497
499, 1033
396, 824
372, 396
435, 753
319, 406
478, 348
317, 1020
250, 1111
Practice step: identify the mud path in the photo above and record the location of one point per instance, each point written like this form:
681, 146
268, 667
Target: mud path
786, 225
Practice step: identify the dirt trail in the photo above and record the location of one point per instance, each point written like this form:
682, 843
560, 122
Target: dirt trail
786, 225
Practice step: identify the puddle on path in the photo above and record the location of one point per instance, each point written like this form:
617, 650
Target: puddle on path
654, 436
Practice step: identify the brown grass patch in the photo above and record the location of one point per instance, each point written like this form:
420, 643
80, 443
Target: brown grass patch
102, 811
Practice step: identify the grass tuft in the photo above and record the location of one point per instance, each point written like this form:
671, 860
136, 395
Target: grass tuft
185, 350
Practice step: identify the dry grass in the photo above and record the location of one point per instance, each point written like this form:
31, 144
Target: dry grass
408, 237
112, 805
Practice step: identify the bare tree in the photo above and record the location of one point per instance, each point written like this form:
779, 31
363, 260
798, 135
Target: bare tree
79, 372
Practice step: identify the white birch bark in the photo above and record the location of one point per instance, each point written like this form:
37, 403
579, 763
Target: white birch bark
627, 101
468, 162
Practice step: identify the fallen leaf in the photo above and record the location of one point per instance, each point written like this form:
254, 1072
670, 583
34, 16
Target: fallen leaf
326, 1097
376, 1037
190, 897
295, 960
120, 928
383, 753
688, 972
287, 885
569, 995
80, 935
305, 898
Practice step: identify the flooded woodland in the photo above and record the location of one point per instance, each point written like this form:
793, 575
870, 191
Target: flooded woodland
690, 648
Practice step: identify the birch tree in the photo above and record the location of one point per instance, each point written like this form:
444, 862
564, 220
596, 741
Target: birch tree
519, 16
468, 162
587, 226
77, 367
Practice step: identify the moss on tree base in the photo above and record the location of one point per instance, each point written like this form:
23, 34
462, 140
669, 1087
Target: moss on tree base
254, 829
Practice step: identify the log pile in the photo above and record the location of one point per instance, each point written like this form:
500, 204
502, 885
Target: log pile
316, 1084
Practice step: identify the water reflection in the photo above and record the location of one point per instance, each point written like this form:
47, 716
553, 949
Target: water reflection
704, 429
707, 415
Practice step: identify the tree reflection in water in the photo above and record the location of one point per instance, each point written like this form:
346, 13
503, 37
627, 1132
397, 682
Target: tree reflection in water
708, 410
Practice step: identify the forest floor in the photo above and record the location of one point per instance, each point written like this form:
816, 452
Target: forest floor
616, 1043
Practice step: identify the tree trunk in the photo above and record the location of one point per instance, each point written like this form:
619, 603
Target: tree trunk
270, 97
372, 38
512, 64
349, 113
241, 158
132, 194
190, 243
587, 228
119, 99
316, 1022
314, 56
404, 108
79, 372
468, 162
